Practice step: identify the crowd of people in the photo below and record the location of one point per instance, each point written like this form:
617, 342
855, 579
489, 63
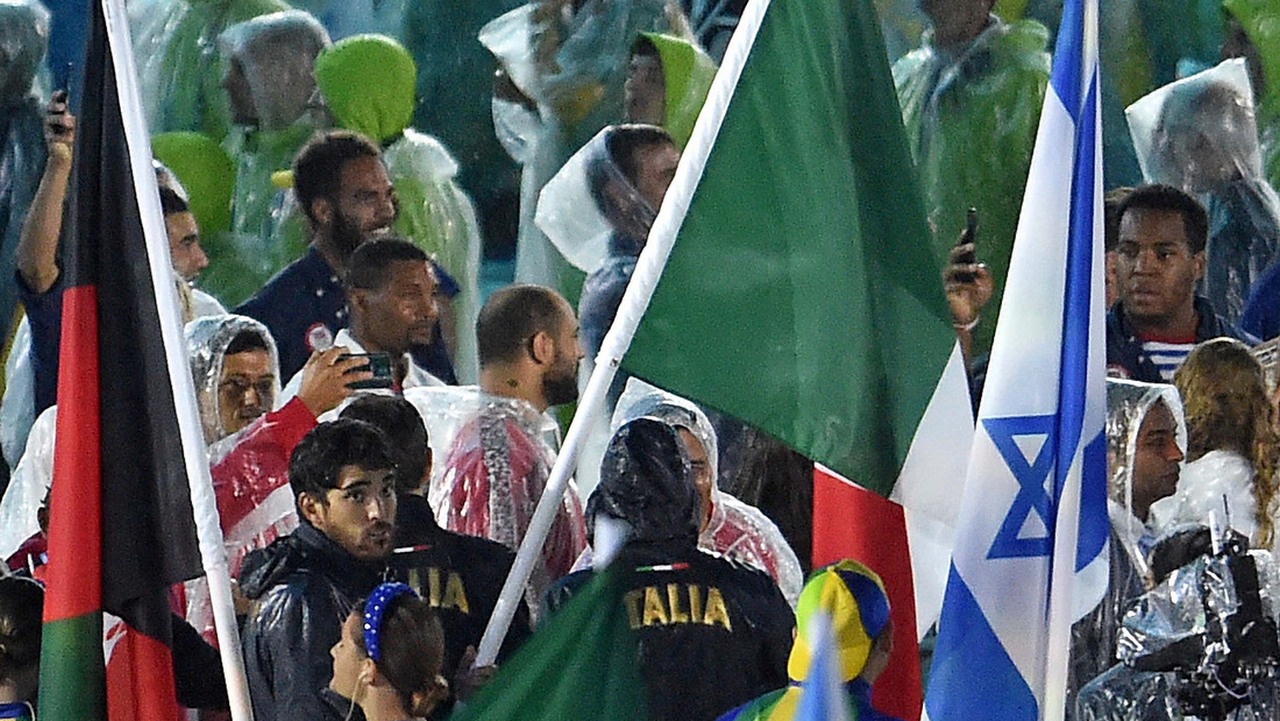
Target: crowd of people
380, 428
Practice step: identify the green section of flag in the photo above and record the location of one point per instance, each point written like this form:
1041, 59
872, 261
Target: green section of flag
581, 665
802, 295
72, 671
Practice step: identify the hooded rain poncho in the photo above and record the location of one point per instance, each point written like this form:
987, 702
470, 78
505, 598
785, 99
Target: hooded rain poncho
276, 54
712, 633
573, 64
1093, 638
1199, 134
971, 119
250, 467
687, 73
179, 62
735, 530
435, 213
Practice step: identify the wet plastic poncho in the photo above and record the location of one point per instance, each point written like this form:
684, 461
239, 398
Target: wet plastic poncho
687, 73
592, 212
573, 64
435, 213
1198, 134
1164, 625
29, 484
493, 474
735, 530
180, 64
1093, 638
853, 599
1201, 488
1260, 20
24, 36
971, 120
277, 53
249, 468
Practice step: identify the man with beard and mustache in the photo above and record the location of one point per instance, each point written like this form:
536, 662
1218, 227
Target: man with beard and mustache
498, 463
343, 188
391, 289
343, 479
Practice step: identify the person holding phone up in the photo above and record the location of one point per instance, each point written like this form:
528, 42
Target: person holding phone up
391, 289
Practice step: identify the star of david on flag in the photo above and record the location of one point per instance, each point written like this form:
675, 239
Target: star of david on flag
1030, 552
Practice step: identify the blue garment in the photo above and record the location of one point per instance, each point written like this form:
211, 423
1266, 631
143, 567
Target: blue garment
1261, 315
1124, 347
19, 711
304, 307
44, 313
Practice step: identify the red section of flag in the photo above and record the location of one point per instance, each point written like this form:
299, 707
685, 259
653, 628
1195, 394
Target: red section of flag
851, 522
139, 669
75, 518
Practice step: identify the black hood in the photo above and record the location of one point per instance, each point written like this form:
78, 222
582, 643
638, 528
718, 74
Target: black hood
646, 481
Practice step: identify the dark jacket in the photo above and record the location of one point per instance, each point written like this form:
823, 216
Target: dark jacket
1124, 348
305, 586
712, 634
460, 576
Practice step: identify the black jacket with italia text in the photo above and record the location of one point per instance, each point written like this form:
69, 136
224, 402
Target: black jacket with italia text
460, 576
712, 634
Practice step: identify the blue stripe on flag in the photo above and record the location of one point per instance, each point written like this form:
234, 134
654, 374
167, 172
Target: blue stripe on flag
1065, 79
1073, 380
1095, 524
971, 664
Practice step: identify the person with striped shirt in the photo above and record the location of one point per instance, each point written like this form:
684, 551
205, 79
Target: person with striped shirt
1160, 260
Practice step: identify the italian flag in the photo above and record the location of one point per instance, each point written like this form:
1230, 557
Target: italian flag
801, 296
122, 528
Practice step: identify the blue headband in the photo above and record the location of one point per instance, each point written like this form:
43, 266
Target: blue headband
378, 603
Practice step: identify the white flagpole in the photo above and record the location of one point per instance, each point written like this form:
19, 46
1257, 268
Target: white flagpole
653, 259
213, 553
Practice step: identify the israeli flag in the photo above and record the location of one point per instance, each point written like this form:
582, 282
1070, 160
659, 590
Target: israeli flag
1030, 554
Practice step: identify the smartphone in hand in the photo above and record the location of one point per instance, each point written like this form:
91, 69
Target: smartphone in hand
969, 236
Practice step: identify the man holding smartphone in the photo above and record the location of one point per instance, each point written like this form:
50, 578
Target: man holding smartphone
391, 288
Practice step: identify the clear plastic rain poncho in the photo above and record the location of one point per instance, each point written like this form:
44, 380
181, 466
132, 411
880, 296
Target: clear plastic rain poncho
29, 485
179, 64
1093, 638
24, 37
734, 529
971, 121
435, 213
276, 54
493, 457
250, 471
1201, 644
592, 212
573, 64
1260, 20
1199, 134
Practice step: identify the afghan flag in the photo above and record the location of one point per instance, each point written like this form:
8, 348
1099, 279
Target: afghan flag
122, 528
801, 296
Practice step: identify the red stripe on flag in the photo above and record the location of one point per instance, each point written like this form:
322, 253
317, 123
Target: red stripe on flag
851, 522
75, 508
139, 677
